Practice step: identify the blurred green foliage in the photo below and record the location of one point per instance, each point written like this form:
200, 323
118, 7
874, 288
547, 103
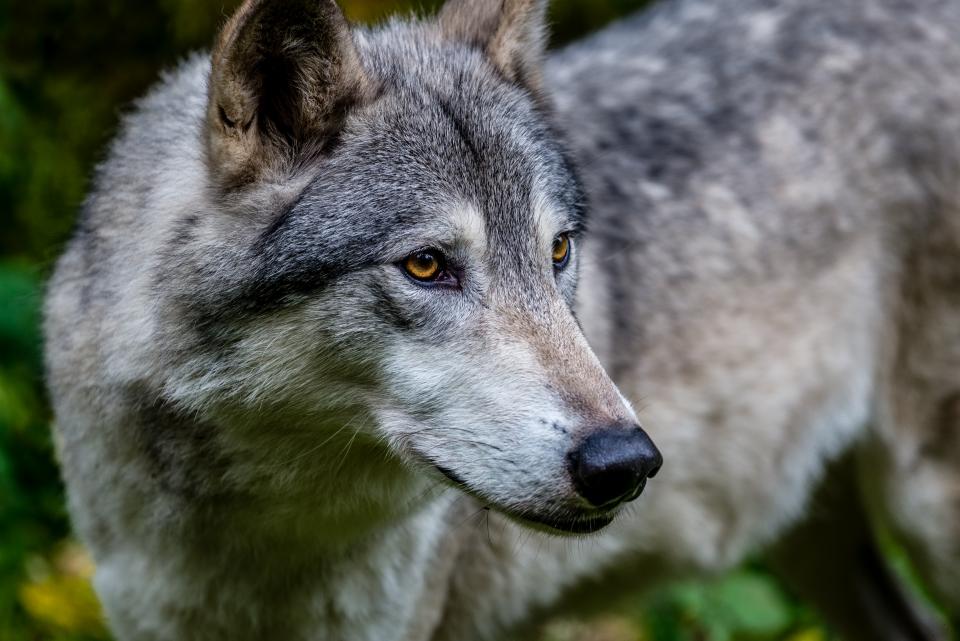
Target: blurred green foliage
68, 70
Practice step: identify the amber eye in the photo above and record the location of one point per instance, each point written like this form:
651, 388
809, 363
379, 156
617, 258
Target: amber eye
425, 265
561, 251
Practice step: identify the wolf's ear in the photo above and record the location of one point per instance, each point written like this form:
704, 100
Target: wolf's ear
513, 33
284, 73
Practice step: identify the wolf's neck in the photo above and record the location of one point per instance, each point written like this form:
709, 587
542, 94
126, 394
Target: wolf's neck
387, 584
392, 585
507, 580
315, 485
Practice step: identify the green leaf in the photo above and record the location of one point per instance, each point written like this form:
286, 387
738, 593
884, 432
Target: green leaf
754, 605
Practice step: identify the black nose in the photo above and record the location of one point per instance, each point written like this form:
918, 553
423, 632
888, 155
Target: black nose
612, 465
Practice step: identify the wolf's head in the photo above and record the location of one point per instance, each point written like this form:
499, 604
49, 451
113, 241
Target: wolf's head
404, 239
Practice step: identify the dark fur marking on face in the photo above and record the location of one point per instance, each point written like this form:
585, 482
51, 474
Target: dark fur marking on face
459, 125
390, 310
268, 235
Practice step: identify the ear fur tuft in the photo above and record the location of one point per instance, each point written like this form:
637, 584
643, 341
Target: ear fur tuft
283, 74
512, 33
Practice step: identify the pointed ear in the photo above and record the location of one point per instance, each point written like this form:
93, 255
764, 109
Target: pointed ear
513, 33
284, 73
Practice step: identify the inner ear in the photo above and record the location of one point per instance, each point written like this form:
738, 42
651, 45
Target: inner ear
512, 33
283, 75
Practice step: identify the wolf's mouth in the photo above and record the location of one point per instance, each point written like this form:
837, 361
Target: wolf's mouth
575, 525
564, 525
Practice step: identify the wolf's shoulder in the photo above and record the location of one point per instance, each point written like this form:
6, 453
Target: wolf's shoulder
703, 49
730, 108
705, 27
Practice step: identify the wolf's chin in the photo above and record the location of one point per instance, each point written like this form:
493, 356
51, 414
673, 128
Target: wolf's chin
585, 524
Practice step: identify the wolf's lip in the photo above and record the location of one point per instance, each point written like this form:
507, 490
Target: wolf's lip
575, 525
456, 480
578, 525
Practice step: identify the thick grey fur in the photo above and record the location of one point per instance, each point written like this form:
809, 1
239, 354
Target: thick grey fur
251, 397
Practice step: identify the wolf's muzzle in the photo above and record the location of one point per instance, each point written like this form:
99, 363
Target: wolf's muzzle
612, 465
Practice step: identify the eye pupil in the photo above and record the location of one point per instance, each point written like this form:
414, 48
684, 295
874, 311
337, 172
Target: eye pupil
424, 261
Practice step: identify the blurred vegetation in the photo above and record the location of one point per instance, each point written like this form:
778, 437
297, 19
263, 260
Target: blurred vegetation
68, 69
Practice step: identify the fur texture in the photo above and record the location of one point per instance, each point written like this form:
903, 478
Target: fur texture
268, 430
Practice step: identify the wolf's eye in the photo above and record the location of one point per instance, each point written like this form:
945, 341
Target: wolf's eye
561, 251
426, 265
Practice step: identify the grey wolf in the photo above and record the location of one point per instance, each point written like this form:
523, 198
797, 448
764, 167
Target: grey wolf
337, 289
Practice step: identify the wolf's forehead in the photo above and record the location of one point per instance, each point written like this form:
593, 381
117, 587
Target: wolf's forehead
469, 156
464, 153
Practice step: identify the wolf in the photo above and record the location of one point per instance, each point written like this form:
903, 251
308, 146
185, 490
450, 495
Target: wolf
351, 337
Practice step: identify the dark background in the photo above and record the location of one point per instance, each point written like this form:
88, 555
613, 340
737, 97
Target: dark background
68, 71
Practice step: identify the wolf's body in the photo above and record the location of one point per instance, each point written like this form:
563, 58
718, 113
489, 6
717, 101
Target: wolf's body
772, 273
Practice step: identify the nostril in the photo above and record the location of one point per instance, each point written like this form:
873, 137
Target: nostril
612, 465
